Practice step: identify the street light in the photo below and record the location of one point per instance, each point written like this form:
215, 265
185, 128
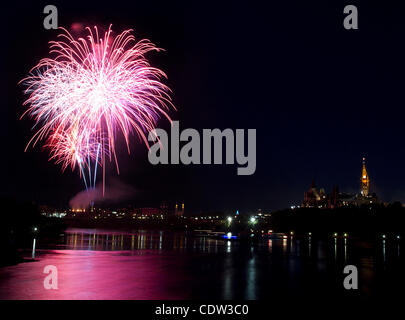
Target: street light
34, 242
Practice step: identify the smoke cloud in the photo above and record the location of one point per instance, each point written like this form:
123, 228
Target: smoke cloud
115, 192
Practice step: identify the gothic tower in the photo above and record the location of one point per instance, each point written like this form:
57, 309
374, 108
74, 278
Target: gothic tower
179, 210
364, 180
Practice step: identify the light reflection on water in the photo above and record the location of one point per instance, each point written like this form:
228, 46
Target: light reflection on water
153, 240
95, 264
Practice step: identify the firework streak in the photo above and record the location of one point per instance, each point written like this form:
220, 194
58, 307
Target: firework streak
87, 92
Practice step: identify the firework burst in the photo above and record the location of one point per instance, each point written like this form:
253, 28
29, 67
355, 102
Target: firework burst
89, 90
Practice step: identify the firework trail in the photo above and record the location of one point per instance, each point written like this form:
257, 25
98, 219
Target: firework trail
88, 91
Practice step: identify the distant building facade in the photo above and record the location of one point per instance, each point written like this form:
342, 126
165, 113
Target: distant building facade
314, 198
179, 209
148, 212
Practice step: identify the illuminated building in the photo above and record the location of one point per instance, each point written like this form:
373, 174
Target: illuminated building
364, 180
314, 198
148, 212
179, 210
365, 197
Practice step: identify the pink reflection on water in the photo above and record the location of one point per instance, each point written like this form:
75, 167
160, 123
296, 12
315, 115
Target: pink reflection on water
96, 275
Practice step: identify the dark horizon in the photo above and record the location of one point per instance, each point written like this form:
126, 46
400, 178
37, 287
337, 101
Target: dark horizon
320, 97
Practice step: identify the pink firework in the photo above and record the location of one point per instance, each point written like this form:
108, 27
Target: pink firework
89, 90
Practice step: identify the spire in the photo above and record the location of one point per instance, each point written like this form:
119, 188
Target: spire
364, 180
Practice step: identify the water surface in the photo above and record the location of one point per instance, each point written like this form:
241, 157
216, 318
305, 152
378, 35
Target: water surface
94, 264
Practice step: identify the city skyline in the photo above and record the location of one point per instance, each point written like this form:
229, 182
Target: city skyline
312, 198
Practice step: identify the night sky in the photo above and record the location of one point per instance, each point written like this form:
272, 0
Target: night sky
321, 97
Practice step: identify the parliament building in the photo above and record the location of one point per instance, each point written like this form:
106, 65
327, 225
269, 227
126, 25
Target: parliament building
318, 198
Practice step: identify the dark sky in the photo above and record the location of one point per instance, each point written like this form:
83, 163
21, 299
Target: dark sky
321, 97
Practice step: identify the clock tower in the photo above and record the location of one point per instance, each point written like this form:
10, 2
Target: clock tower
364, 180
